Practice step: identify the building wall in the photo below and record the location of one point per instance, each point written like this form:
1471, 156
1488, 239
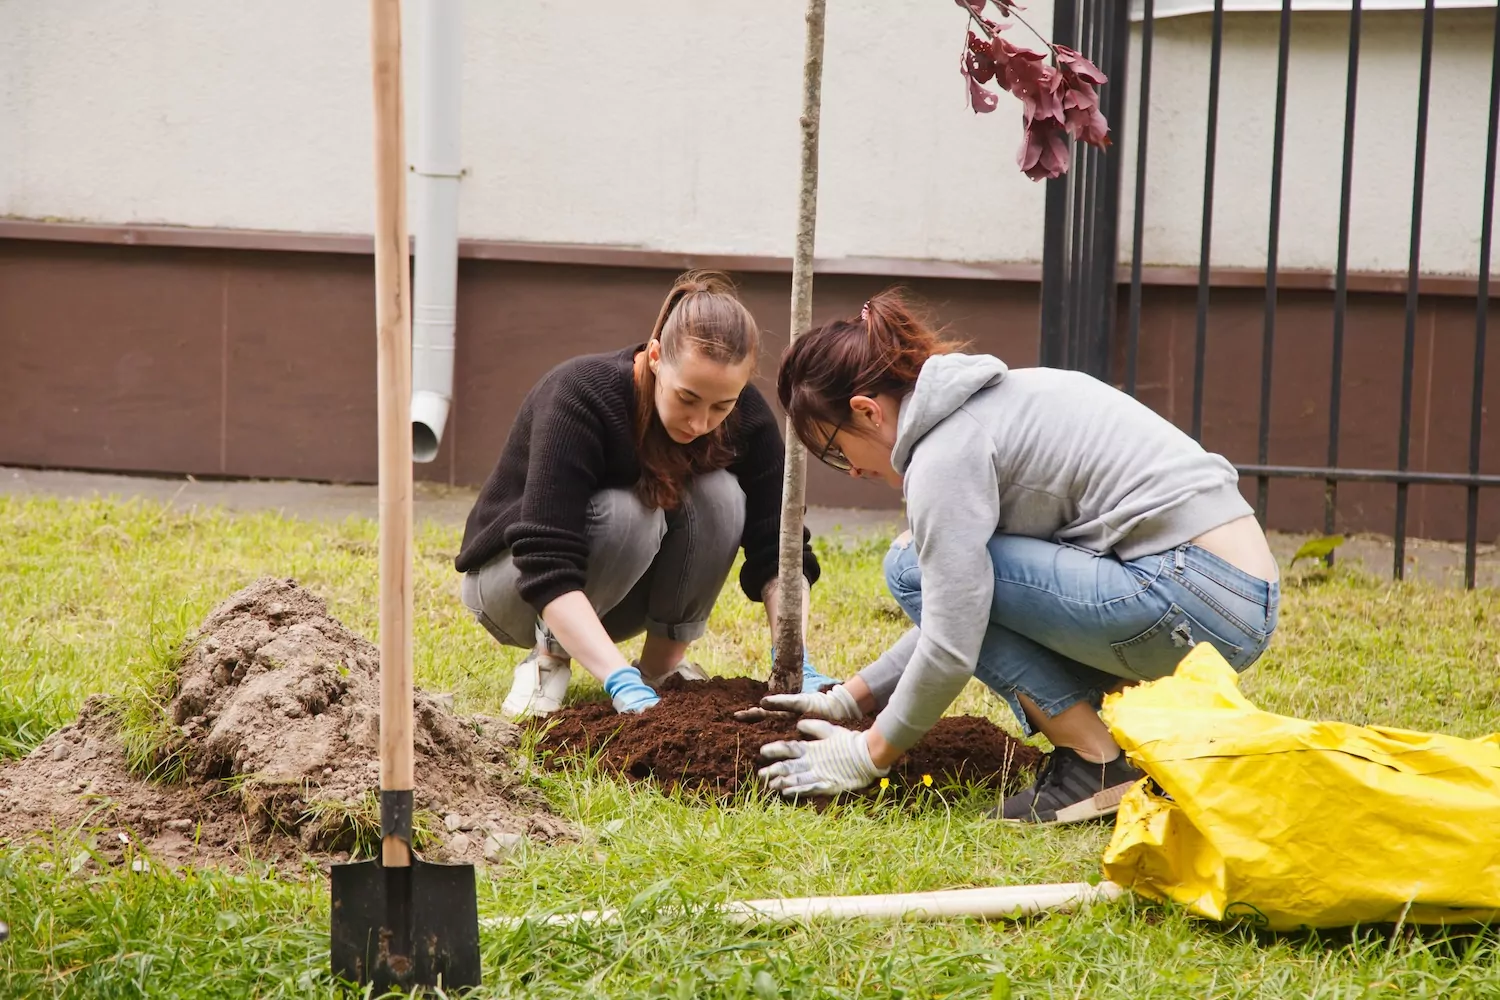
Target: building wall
672, 125
261, 363
1385, 134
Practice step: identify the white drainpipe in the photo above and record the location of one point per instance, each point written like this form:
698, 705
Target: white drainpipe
435, 288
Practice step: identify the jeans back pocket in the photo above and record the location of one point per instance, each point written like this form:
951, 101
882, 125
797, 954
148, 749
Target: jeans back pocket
1157, 651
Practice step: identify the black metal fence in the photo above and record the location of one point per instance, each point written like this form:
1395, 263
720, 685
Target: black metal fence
1079, 276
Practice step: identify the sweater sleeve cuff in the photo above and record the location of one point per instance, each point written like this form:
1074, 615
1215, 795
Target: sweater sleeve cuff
756, 573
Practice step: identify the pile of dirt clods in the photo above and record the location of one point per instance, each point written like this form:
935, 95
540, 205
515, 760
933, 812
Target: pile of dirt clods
267, 748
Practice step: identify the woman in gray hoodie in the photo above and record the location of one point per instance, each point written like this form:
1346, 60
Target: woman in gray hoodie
1065, 541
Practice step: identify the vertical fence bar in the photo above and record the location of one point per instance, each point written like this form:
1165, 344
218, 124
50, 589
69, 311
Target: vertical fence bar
1273, 248
1409, 354
1057, 249
1087, 212
1341, 277
1210, 155
1081, 169
1482, 313
1077, 207
1138, 224
1054, 271
1115, 30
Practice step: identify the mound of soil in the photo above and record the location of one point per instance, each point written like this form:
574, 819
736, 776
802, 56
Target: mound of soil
692, 741
270, 750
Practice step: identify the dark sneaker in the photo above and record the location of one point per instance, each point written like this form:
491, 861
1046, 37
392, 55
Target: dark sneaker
1070, 789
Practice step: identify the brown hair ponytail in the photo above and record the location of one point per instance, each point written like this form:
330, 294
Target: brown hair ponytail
882, 350
701, 313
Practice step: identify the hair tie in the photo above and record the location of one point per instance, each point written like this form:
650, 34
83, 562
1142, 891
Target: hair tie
864, 312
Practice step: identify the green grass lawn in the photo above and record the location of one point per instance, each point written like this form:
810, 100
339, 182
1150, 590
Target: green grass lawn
92, 592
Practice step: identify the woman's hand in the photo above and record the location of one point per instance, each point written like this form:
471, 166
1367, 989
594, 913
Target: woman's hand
836, 704
846, 702
834, 760
628, 692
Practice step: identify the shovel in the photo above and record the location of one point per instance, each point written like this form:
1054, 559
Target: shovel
398, 922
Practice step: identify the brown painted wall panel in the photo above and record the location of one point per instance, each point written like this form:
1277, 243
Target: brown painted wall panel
109, 358
1370, 408
261, 363
300, 367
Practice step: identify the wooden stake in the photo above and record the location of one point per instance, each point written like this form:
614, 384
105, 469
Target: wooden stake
786, 672
393, 376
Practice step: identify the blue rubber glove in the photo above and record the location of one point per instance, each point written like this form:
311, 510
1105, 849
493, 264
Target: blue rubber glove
628, 692
812, 680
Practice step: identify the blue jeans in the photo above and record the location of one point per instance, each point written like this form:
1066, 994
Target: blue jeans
1067, 624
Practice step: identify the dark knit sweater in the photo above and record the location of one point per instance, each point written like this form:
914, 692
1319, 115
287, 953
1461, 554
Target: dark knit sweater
575, 436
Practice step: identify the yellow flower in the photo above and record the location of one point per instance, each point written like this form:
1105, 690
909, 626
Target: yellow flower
885, 782
927, 780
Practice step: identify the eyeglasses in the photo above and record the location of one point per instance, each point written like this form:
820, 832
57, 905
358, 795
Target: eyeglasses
831, 455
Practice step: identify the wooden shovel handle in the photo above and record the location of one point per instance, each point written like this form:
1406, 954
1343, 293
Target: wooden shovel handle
393, 375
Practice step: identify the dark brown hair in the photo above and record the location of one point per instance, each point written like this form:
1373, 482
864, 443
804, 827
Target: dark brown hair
701, 313
882, 350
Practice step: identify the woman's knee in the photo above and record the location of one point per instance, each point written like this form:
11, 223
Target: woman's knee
903, 577
718, 504
500, 604
618, 520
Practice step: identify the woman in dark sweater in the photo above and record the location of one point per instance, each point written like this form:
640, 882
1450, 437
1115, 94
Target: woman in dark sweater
628, 484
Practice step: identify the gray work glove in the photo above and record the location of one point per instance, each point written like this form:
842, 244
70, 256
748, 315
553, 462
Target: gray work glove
834, 760
836, 703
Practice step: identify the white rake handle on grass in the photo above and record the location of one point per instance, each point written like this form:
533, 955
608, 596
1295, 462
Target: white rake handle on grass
997, 903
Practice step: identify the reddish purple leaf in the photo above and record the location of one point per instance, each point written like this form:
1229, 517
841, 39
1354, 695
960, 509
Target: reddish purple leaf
977, 6
1075, 62
1079, 94
1044, 152
1088, 125
1004, 52
1058, 101
1050, 89
981, 100
1038, 87
978, 64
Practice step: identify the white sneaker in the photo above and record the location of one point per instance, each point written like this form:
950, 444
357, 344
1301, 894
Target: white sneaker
540, 683
687, 670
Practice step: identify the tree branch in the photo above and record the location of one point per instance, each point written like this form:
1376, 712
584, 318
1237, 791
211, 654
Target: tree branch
1008, 12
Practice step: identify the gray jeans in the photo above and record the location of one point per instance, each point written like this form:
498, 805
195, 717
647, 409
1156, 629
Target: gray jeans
649, 571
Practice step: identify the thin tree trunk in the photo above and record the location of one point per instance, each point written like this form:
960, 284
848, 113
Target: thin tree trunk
786, 673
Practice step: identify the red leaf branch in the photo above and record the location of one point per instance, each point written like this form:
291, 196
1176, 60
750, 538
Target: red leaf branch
1058, 99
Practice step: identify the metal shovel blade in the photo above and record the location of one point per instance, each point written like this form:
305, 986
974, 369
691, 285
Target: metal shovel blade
403, 927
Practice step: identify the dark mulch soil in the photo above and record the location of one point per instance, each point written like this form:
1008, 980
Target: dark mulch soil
691, 741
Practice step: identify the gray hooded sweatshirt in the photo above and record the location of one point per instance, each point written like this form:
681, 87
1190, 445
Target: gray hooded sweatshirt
1037, 452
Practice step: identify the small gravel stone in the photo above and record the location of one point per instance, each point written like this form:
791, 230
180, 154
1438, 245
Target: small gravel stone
498, 845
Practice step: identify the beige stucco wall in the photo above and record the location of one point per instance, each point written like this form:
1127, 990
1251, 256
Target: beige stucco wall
667, 124
1385, 131
671, 124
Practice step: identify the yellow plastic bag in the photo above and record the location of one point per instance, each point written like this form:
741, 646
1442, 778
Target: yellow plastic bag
1289, 823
